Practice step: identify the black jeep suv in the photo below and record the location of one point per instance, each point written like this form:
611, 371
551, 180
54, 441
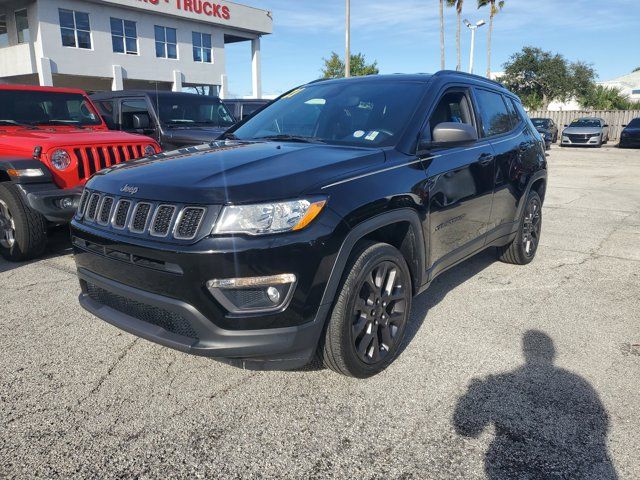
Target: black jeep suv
309, 227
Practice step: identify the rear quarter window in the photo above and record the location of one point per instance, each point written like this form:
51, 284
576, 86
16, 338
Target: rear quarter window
496, 119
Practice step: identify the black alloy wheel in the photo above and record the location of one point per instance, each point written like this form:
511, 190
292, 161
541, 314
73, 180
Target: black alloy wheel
379, 312
370, 314
531, 227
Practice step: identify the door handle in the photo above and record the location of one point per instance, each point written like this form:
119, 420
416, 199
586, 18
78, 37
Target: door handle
485, 159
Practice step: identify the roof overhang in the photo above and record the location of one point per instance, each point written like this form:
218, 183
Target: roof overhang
213, 12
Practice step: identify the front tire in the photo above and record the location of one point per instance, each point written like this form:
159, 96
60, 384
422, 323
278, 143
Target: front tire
370, 315
23, 231
524, 246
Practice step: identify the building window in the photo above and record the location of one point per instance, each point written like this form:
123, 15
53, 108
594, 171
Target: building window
75, 29
4, 36
124, 36
635, 92
22, 26
201, 47
166, 43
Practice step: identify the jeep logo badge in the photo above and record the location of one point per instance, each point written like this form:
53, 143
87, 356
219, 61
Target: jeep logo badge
130, 189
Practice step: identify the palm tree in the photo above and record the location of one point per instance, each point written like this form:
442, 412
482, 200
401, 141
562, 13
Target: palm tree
458, 5
496, 6
441, 34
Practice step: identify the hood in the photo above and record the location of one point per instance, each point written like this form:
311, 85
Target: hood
543, 129
583, 130
235, 172
48, 138
192, 135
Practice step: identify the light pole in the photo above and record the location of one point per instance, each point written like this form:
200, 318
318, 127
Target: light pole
473, 29
347, 52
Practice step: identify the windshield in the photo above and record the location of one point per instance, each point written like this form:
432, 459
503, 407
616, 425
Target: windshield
585, 122
357, 113
196, 110
540, 122
34, 107
635, 123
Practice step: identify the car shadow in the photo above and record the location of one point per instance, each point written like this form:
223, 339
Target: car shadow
58, 244
548, 422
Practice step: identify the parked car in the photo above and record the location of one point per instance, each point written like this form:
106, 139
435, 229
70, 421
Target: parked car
548, 129
587, 131
173, 119
630, 135
310, 227
243, 108
51, 141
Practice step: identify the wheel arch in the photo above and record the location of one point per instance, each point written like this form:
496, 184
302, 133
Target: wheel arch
400, 228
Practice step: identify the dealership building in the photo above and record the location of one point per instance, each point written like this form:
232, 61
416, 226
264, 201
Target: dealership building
101, 45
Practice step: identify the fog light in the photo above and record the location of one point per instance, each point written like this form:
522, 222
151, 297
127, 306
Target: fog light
254, 294
66, 203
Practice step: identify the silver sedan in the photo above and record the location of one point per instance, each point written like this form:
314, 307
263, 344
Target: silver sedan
587, 131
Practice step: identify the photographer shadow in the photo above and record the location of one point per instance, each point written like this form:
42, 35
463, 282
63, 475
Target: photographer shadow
549, 422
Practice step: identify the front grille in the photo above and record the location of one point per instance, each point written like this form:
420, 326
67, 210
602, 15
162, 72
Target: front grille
122, 211
162, 220
105, 211
170, 321
189, 222
142, 217
139, 217
579, 138
93, 207
91, 159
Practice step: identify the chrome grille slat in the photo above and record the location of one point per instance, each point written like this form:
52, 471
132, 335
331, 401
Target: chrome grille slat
83, 202
188, 223
92, 208
106, 207
161, 221
120, 216
140, 217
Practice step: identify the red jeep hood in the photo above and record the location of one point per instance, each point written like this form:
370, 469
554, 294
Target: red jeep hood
54, 137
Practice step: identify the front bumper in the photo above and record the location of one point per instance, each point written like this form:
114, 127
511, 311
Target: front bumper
176, 324
45, 199
630, 142
158, 292
589, 141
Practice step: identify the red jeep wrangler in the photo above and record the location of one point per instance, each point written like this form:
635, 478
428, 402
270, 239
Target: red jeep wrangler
51, 141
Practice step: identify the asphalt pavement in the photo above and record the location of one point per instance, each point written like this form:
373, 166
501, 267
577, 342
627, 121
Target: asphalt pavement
509, 371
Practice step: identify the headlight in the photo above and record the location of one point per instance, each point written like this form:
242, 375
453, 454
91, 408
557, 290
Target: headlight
149, 150
268, 218
60, 159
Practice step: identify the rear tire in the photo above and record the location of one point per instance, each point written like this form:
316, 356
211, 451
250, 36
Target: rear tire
23, 231
524, 246
369, 317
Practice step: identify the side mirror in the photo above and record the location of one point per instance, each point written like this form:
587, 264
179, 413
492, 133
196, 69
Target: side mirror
453, 133
566, 125
140, 121
624, 125
606, 125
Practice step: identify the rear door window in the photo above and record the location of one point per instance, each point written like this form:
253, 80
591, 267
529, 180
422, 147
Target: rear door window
496, 119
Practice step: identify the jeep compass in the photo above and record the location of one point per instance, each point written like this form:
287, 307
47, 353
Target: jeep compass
307, 230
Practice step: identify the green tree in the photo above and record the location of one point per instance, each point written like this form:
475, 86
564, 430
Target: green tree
599, 97
495, 7
334, 66
637, 69
539, 77
458, 5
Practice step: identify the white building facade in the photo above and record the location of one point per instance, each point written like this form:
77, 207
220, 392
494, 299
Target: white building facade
629, 85
120, 44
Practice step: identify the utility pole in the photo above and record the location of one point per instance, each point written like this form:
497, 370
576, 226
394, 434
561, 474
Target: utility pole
347, 53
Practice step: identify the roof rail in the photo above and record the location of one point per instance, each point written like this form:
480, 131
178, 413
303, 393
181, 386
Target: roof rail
470, 75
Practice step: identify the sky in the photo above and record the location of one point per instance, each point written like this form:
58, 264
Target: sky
403, 37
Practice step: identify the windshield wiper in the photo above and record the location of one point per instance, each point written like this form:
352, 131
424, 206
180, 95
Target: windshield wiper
229, 136
65, 123
291, 138
14, 123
